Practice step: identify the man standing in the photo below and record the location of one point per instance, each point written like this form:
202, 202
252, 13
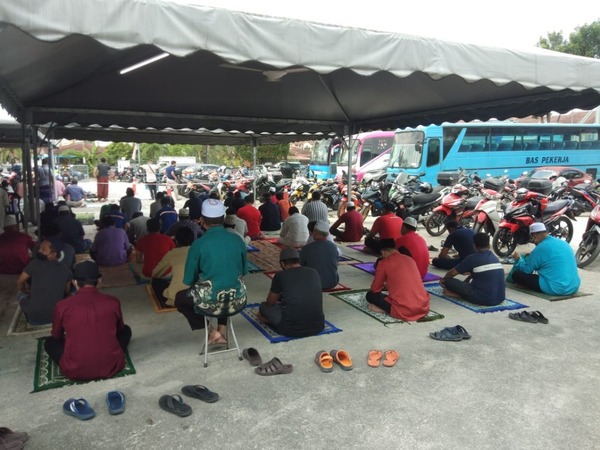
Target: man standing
270, 220
353, 225
151, 248
413, 245
74, 194
485, 284
71, 230
252, 216
102, 172
205, 264
150, 168
172, 179
43, 282
294, 231
130, 204
43, 181
111, 246
315, 209
294, 305
89, 338
166, 214
15, 248
461, 239
322, 255
387, 226
407, 298
552, 259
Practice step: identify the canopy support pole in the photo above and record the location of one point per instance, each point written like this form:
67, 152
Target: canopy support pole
254, 151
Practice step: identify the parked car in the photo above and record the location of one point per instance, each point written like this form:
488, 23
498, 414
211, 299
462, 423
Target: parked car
190, 170
574, 176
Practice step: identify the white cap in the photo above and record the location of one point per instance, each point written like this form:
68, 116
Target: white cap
184, 212
537, 227
322, 226
10, 221
411, 222
62, 208
213, 208
350, 205
272, 189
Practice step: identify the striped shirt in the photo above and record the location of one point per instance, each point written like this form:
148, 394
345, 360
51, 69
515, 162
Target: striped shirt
315, 210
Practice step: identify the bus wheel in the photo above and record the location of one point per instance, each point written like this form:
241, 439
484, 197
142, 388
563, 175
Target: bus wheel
436, 224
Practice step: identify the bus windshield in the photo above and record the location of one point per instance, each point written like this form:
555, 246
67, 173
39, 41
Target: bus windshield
407, 150
319, 151
368, 148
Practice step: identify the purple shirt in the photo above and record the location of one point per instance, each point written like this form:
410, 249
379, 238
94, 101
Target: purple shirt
110, 247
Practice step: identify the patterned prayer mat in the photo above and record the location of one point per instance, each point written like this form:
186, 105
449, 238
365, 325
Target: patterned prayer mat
250, 314
436, 289
267, 256
338, 287
552, 298
47, 374
369, 267
19, 325
357, 299
117, 276
158, 308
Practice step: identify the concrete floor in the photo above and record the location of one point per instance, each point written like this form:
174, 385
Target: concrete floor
513, 385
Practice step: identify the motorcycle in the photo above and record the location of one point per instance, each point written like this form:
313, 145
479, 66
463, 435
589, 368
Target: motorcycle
299, 188
375, 194
458, 205
589, 247
527, 208
414, 197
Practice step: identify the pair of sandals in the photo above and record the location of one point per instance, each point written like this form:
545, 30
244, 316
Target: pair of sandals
82, 410
325, 360
529, 316
453, 334
174, 404
390, 358
272, 367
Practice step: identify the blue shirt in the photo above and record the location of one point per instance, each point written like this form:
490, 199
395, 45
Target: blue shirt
554, 262
170, 172
462, 241
487, 276
74, 192
271, 220
167, 216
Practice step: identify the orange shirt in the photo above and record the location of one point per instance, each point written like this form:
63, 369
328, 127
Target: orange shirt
284, 208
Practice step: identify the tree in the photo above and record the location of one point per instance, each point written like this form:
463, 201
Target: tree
584, 41
116, 151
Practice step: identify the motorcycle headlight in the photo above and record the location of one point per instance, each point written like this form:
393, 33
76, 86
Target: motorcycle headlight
375, 185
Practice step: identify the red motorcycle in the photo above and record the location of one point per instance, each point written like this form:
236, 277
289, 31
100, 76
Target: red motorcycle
458, 205
527, 208
589, 248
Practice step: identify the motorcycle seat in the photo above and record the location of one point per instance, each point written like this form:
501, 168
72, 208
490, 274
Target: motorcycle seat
555, 206
420, 199
472, 202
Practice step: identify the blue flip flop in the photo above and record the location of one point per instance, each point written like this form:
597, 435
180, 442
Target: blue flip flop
116, 402
79, 408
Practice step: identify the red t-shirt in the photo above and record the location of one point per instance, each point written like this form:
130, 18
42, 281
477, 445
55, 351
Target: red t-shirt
353, 226
89, 321
14, 251
252, 216
417, 248
153, 246
406, 293
388, 226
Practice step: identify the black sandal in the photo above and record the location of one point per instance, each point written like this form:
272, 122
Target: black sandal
523, 316
540, 317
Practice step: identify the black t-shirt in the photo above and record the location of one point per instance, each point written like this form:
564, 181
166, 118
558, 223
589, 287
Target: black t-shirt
103, 169
300, 290
462, 240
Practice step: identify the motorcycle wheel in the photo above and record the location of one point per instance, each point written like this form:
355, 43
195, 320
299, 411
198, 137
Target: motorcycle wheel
588, 250
436, 224
342, 209
479, 227
504, 242
562, 229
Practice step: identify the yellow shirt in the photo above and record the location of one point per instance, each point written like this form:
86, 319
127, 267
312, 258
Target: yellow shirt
174, 260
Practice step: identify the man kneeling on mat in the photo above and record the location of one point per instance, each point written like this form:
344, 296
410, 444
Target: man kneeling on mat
88, 335
294, 305
485, 284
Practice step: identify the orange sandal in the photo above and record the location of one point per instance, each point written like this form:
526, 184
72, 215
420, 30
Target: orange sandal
391, 358
324, 361
374, 358
342, 358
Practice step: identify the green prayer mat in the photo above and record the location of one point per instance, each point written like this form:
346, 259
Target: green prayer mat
85, 218
552, 298
358, 300
19, 325
47, 374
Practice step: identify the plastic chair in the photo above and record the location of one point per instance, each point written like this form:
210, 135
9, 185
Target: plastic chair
230, 333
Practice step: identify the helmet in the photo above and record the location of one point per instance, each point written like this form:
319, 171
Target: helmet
458, 189
521, 193
427, 188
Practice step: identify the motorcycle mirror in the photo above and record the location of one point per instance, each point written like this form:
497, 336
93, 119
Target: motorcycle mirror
422, 174
524, 173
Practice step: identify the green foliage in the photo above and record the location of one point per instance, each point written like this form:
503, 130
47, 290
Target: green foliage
584, 41
116, 151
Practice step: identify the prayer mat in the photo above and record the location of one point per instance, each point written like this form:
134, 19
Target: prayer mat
267, 258
253, 268
436, 289
81, 257
249, 312
361, 248
117, 276
251, 248
343, 259
85, 218
272, 240
336, 288
358, 300
19, 325
158, 308
552, 298
369, 267
138, 276
47, 373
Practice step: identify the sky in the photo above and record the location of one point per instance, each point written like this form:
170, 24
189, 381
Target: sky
505, 23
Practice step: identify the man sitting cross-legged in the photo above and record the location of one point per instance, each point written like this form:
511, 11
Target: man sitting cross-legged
485, 284
151, 248
294, 305
88, 335
406, 298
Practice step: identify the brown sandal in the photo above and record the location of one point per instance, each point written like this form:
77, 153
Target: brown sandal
274, 367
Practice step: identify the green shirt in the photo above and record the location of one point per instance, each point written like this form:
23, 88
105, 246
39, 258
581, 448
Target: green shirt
219, 257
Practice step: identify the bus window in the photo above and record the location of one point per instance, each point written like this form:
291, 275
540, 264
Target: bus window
407, 150
433, 152
450, 137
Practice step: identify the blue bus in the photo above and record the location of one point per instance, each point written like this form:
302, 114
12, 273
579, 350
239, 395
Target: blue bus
492, 148
322, 155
